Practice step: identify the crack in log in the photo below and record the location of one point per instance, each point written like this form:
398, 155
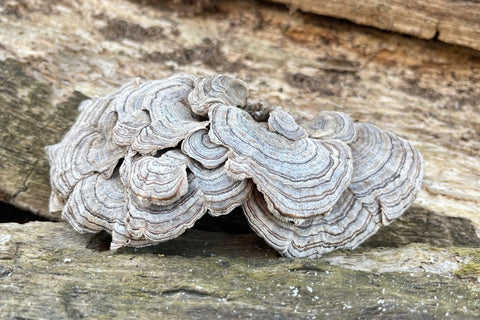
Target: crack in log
190, 293
24, 187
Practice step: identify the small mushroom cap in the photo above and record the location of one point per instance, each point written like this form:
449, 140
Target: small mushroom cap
283, 123
171, 117
197, 145
96, 203
127, 104
162, 223
388, 171
331, 125
222, 193
74, 159
299, 179
348, 225
86, 148
158, 181
217, 89
129, 126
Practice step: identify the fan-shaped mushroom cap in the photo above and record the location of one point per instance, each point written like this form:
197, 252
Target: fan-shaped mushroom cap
222, 193
347, 226
128, 128
330, 125
171, 118
299, 179
156, 181
96, 203
86, 152
388, 171
387, 174
127, 104
283, 123
217, 89
162, 223
197, 145
132, 117
87, 147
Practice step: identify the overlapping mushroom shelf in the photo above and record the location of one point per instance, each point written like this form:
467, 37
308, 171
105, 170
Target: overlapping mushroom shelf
147, 161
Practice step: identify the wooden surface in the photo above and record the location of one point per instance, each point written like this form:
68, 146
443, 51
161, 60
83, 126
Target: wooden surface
54, 54
455, 22
47, 271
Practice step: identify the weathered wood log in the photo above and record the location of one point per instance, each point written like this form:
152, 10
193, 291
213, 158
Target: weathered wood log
53, 55
49, 272
456, 22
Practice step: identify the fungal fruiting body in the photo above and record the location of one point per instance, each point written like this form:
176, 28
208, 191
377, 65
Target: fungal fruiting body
147, 161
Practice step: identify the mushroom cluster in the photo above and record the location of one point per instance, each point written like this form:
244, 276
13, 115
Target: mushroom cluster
147, 161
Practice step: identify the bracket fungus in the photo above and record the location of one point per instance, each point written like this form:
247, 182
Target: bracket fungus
150, 159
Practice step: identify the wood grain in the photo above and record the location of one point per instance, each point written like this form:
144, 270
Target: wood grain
205, 275
455, 22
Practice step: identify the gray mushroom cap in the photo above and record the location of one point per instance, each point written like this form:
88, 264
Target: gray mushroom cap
217, 89
299, 178
171, 118
222, 193
347, 225
161, 223
388, 171
283, 123
331, 125
156, 180
198, 146
95, 204
81, 154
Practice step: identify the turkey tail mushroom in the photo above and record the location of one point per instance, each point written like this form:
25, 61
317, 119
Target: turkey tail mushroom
147, 161
95, 204
222, 193
161, 223
171, 117
283, 123
388, 171
331, 125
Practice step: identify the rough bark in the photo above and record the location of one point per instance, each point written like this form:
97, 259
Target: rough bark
53, 54
456, 22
